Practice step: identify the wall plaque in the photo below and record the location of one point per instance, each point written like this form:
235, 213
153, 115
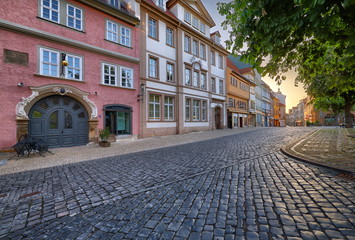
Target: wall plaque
11, 56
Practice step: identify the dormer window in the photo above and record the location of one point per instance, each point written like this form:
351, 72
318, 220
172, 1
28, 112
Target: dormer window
114, 3
203, 28
195, 23
160, 3
187, 17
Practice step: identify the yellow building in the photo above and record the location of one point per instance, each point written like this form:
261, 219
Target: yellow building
276, 111
238, 95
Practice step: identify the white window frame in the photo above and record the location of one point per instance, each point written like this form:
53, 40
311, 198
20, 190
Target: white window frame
109, 74
55, 65
125, 36
112, 31
80, 68
128, 80
51, 10
75, 18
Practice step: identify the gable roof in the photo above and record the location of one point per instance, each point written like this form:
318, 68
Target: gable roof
236, 61
216, 33
238, 72
167, 11
196, 7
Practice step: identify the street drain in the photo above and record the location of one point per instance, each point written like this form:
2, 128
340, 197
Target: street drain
29, 194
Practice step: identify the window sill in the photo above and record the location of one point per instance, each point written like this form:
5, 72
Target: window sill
196, 121
160, 121
119, 44
156, 39
59, 78
62, 25
106, 85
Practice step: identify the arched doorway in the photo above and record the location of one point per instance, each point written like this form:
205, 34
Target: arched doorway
217, 117
60, 120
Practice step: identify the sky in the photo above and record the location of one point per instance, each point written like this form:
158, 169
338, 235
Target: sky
293, 94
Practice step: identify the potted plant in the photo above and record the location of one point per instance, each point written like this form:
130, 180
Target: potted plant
104, 134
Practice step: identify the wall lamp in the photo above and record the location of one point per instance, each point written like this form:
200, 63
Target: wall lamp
140, 96
20, 84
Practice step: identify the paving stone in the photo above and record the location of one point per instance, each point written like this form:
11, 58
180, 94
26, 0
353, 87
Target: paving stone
208, 190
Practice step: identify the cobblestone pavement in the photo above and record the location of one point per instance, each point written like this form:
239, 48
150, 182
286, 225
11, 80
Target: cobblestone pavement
69, 155
333, 147
234, 187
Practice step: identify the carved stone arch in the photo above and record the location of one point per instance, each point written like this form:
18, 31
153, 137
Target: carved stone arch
38, 93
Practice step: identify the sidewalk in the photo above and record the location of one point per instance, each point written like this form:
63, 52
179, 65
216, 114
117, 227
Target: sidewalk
69, 155
328, 147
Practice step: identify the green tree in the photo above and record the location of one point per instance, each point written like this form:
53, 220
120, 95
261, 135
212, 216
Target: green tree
314, 37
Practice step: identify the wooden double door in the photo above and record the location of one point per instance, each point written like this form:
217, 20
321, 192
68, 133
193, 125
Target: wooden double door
59, 120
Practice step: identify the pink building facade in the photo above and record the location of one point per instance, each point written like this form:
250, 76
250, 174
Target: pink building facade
68, 69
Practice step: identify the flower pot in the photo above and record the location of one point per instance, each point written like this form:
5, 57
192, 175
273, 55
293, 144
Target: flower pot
104, 144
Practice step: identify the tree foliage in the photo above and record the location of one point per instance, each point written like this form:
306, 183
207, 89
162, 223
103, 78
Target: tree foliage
314, 37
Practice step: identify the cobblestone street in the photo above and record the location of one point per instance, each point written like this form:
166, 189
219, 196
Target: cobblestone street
232, 187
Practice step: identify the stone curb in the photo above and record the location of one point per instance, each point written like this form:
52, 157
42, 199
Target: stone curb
293, 154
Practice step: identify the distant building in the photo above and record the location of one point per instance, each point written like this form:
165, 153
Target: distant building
275, 110
239, 91
282, 107
266, 104
296, 114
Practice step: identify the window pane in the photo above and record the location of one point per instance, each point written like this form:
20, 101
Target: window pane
112, 32
187, 109
154, 107
53, 120
50, 10
169, 36
188, 76
81, 115
68, 120
152, 67
152, 28
109, 75
36, 114
195, 80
